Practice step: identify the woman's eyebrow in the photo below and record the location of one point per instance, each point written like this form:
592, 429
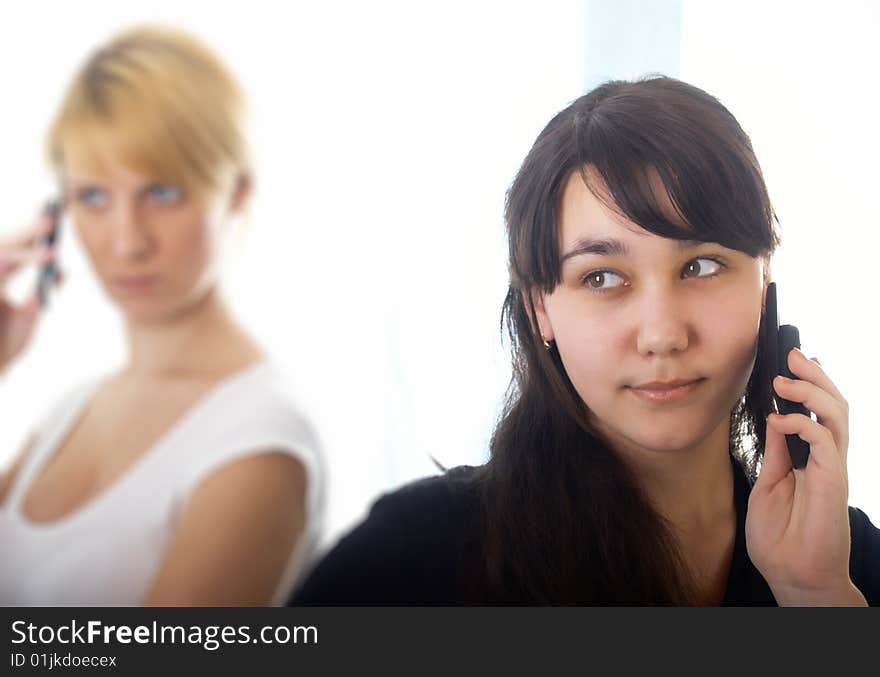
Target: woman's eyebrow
609, 246
80, 181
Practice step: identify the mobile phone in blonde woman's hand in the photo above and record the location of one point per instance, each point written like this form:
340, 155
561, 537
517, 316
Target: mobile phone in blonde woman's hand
49, 272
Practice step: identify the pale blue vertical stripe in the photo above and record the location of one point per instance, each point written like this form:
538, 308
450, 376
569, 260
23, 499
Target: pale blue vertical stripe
630, 38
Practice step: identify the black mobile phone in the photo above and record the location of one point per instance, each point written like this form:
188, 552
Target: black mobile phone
777, 342
48, 274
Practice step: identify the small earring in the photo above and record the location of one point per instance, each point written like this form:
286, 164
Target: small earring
546, 342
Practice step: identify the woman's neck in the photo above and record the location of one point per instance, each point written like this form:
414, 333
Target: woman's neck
203, 341
692, 488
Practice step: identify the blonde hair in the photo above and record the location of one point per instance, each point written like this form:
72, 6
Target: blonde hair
160, 101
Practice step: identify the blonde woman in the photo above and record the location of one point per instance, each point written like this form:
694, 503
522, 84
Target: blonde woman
188, 477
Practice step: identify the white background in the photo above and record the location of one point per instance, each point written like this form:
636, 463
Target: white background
386, 134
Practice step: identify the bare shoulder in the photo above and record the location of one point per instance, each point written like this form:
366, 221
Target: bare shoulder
236, 534
261, 493
264, 472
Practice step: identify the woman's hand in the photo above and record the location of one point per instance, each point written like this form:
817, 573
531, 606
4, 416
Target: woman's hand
17, 321
797, 524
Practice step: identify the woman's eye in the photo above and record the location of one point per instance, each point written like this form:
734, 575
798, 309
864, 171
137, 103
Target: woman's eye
165, 194
602, 281
93, 198
696, 267
595, 280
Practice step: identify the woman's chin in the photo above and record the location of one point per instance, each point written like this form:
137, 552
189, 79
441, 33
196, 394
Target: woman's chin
150, 311
152, 308
683, 435
659, 436
668, 442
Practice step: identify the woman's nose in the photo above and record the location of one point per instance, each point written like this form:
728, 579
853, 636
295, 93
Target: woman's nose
130, 235
662, 324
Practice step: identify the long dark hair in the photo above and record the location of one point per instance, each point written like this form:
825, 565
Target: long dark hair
564, 519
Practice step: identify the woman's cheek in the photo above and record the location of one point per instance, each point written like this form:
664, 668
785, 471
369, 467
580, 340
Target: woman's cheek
89, 235
192, 252
587, 355
733, 336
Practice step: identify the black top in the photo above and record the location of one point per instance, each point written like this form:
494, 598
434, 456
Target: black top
408, 550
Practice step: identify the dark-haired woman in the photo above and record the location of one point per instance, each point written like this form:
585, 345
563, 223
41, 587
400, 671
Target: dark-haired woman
637, 460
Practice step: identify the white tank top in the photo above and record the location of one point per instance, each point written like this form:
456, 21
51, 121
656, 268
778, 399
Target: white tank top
108, 551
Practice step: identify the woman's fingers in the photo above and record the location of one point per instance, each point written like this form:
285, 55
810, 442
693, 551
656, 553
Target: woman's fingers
28, 236
10, 261
775, 463
823, 450
830, 411
811, 370
23, 248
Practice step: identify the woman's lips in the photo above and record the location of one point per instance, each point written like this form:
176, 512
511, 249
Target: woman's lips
661, 396
134, 284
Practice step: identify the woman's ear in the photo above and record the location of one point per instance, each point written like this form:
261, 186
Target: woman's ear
766, 280
535, 299
241, 193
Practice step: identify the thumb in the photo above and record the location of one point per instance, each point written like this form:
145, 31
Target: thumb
776, 463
